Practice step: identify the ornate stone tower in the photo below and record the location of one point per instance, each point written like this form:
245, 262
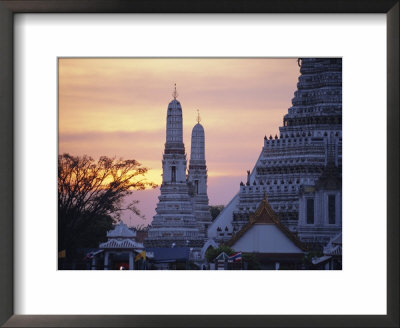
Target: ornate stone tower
174, 224
197, 178
301, 168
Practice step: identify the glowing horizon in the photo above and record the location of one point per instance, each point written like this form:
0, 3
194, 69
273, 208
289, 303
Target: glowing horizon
117, 108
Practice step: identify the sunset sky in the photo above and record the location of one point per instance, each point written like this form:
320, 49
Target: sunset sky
117, 107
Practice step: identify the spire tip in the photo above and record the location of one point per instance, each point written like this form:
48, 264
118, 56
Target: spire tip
198, 116
175, 93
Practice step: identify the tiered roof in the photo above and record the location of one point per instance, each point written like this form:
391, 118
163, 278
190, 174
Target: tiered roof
121, 231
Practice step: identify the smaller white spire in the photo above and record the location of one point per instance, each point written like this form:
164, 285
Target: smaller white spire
197, 151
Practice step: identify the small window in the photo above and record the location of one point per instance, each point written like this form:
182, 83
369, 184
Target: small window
331, 209
173, 174
310, 211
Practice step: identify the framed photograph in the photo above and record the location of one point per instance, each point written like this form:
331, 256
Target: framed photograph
291, 198
130, 49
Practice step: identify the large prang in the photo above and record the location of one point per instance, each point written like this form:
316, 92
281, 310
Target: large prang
174, 224
299, 170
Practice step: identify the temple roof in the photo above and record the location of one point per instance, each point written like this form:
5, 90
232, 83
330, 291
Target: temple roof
121, 244
121, 230
265, 215
221, 257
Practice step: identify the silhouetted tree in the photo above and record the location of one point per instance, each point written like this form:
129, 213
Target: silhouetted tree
91, 196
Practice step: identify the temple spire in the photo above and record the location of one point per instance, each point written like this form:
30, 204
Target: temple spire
175, 93
174, 135
198, 116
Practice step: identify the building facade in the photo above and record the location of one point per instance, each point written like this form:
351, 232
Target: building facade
290, 167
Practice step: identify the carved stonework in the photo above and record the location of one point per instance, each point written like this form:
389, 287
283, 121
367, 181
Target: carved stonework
306, 154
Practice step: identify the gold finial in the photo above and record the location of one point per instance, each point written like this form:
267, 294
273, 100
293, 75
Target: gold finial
198, 116
175, 93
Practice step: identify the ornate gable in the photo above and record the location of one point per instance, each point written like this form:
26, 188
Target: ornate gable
265, 215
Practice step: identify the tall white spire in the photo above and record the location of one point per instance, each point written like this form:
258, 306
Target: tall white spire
174, 123
175, 222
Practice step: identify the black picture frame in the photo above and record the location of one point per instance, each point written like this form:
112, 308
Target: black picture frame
10, 7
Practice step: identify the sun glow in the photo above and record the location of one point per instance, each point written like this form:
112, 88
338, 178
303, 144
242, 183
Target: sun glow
117, 108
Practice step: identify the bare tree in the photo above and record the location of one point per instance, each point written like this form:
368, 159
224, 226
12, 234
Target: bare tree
91, 196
